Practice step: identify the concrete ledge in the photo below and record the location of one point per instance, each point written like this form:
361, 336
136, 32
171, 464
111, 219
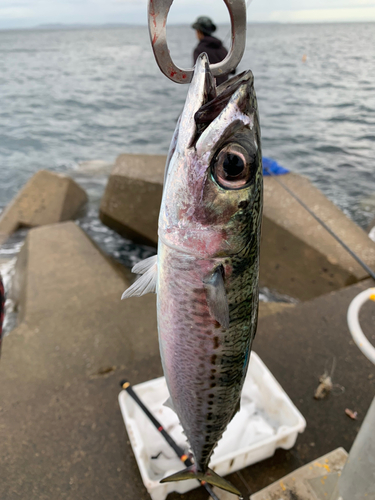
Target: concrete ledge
296, 485
47, 198
268, 308
298, 257
298, 346
61, 431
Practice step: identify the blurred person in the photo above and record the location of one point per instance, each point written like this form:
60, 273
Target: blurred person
207, 43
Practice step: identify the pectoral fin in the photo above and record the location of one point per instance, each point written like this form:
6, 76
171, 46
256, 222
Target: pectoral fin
217, 297
146, 283
145, 265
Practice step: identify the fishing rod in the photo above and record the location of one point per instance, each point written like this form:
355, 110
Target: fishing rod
323, 224
184, 457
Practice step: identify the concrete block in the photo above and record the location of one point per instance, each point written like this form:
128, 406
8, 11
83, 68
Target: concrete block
297, 485
131, 201
47, 198
268, 308
298, 257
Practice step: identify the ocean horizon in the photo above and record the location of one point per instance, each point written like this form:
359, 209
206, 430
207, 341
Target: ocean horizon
77, 26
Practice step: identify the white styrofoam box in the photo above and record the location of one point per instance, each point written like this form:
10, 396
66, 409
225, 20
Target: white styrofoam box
268, 420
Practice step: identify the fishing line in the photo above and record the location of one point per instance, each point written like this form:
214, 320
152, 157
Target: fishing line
322, 223
230, 31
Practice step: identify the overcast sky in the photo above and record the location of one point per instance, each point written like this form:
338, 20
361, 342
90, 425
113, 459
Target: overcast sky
28, 13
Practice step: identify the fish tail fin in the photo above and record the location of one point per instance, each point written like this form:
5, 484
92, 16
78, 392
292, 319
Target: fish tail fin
209, 477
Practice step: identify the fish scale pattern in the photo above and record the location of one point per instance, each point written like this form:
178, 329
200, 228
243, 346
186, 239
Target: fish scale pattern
202, 361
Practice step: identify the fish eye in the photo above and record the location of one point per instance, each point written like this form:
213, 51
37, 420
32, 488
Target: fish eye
233, 168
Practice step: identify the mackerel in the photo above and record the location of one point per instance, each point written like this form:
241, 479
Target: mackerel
206, 271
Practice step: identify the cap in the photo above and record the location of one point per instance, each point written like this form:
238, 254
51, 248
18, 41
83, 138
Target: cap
205, 25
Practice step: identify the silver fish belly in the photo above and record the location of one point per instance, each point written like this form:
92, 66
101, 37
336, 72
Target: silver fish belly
205, 364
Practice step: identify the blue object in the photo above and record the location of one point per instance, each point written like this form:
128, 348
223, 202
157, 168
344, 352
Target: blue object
271, 167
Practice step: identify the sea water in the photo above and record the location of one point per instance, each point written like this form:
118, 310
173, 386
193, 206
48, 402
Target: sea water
71, 95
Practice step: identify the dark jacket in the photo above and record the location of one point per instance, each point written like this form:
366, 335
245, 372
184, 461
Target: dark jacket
215, 50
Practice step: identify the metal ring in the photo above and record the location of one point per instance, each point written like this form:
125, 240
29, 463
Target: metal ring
157, 21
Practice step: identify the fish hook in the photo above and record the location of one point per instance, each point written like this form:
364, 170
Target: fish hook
157, 21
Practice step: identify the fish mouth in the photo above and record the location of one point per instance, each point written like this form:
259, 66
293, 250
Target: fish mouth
213, 106
205, 101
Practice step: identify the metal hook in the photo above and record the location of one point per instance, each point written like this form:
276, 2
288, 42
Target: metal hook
157, 20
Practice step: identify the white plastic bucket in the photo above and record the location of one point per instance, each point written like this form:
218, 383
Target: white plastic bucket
268, 420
